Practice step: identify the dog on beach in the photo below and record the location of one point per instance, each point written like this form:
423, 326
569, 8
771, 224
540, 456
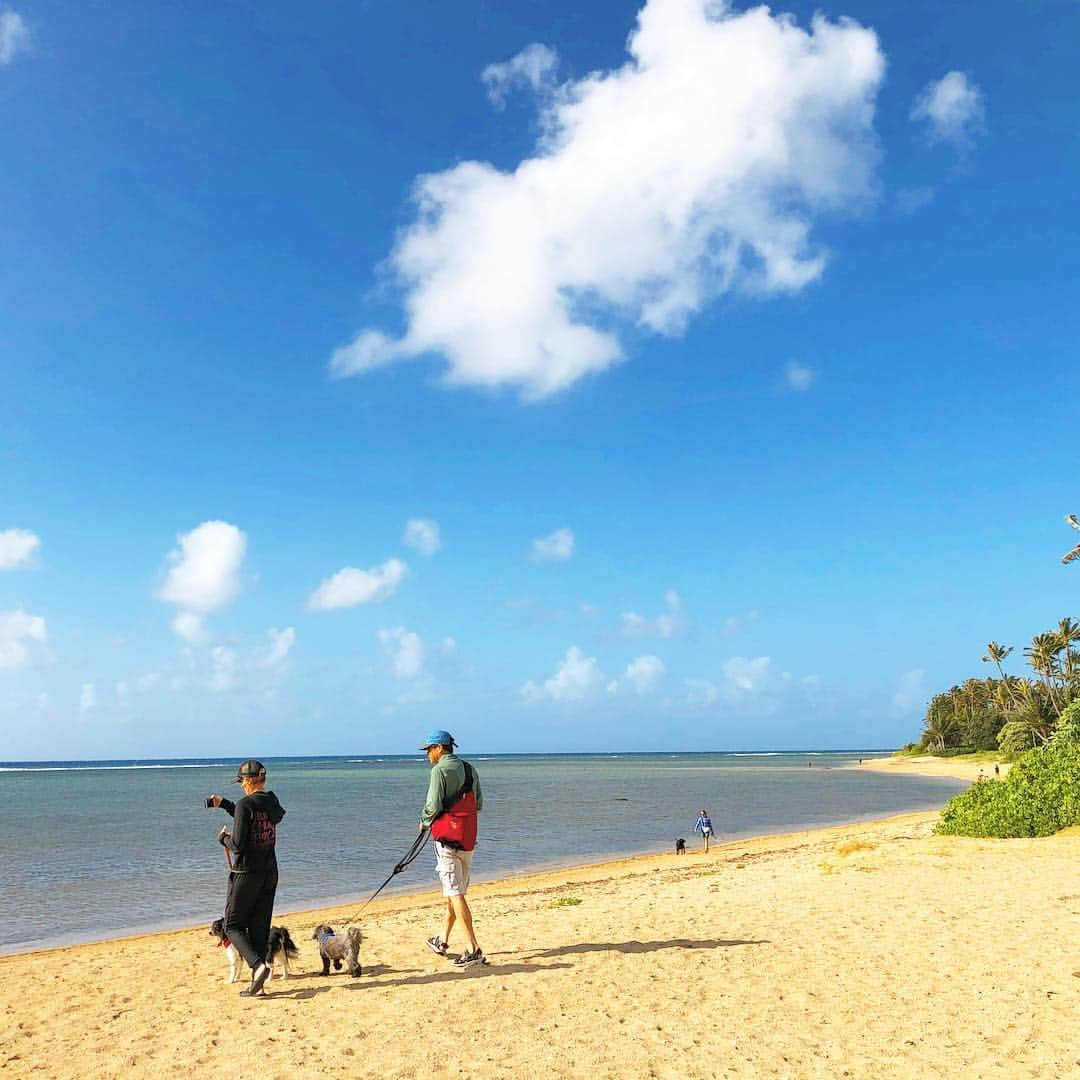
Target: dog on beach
281, 949
335, 949
680, 846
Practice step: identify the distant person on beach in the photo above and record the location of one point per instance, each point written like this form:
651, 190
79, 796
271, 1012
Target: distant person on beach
703, 825
453, 800
253, 869
997, 772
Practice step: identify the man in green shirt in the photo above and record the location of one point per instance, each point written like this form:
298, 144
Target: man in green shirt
450, 786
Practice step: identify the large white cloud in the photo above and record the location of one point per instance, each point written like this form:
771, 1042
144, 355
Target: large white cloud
576, 678
696, 168
350, 587
952, 106
14, 36
558, 547
23, 638
205, 571
17, 548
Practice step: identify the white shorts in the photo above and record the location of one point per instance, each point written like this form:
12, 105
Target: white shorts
453, 868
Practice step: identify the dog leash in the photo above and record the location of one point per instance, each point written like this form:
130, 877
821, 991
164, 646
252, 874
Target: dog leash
410, 855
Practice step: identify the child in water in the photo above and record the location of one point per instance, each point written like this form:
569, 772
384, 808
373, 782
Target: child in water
704, 826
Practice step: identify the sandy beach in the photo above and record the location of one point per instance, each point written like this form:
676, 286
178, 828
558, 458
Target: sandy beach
960, 768
869, 950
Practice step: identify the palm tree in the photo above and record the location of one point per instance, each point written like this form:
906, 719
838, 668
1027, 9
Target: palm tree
939, 728
1042, 656
1068, 631
995, 653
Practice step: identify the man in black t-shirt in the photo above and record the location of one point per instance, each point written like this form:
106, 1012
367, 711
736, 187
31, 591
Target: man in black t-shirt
253, 871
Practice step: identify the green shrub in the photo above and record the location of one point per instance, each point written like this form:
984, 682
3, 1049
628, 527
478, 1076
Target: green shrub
1039, 796
565, 901
1068, 725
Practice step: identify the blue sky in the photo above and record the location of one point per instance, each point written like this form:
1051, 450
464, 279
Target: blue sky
725, 360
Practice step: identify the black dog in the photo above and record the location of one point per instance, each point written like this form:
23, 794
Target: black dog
680, 846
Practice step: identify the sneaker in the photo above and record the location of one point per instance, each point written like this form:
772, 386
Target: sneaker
470, 959
258, 981
436, 945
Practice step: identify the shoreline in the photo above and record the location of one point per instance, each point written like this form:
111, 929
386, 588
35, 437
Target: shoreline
930, 765
428, 891
872, 949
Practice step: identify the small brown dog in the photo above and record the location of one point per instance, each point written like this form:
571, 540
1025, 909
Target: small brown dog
336, 950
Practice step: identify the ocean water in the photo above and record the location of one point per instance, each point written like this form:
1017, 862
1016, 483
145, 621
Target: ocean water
96, 850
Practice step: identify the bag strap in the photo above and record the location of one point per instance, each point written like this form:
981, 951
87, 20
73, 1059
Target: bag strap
451, 801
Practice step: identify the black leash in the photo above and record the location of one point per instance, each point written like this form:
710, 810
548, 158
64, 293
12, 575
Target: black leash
410, 856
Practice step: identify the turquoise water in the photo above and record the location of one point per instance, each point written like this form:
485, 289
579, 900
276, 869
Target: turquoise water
95, 850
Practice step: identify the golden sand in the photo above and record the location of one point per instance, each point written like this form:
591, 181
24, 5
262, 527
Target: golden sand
870, 950
959, 768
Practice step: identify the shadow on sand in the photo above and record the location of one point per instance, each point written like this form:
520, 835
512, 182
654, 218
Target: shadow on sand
643, 946
487, 971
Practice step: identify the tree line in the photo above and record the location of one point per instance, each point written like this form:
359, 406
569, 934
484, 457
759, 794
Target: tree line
1010, 713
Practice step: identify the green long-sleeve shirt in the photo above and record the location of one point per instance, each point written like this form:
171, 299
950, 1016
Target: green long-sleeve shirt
447, 779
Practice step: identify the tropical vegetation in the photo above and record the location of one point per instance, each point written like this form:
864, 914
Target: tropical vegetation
1040, 795
1006, 712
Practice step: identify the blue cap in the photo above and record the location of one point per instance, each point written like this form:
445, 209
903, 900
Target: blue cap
439, 738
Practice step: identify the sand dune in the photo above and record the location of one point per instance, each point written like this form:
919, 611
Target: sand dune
872, 950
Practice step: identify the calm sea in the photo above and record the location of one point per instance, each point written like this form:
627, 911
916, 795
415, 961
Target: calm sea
91, 850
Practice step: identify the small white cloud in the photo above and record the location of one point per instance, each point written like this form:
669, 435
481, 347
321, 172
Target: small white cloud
696, 168
17, 548
123, 691
147, 681
350, 587
23, 639
734, 623
406, 651
423, 535
87, 697
952, 107
190, 627
909, 692
557, 547
666, 625
912, 200
747, 687
701, 693
642, 676
273, 654
205, 571
15, 36
799, 377
533, 67
576, 678
225, 669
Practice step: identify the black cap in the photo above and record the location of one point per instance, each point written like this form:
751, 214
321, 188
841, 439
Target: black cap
251, 769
